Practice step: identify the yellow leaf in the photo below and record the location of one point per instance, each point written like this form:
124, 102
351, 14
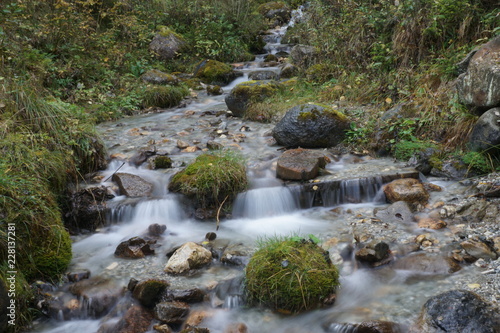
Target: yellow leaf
388, 100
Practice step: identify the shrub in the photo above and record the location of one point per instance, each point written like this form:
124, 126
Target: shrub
290, 274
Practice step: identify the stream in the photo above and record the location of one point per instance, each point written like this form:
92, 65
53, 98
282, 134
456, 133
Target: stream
269, 208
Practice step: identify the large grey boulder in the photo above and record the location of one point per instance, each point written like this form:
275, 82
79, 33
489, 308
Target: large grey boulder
486, 133
479, 87
311, 126
166, 44
457, 311
132, 185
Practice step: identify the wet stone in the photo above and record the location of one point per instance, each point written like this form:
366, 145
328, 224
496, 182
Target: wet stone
78, 275
194, 295
156, 230
478, 249
173, 312
132, 185
150, 292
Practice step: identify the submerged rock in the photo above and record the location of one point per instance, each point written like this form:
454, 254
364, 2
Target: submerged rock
98, 295
457, 311
406, 189
150, 292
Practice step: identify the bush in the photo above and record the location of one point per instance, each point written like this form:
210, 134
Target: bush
290, 274
212, 179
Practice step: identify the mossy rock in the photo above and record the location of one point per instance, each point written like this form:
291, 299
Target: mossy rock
155, 76
211, 179
166, 44
248, 92
214, 72
311, 126
163, 96
290, 275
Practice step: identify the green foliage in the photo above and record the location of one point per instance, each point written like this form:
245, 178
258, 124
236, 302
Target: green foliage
477, 162
290, 274
213, 178
358, 135
404, 150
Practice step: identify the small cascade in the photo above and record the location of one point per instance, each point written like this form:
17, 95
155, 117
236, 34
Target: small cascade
343, 328
265, 202
231, 292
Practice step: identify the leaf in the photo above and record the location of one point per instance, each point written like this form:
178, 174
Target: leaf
314, 239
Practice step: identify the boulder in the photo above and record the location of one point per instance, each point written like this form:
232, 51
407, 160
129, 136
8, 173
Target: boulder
262, 75
188, 257
303, 55
132, 185
155, 76
277, 12
300, 164
214, 90
194, 295
406, 189
311, 126
288, 70
150, 292
479, 87
174, 312
456, 311
244, 93
427, 264
156, 230
215, 72
135, 248
136, 320
98, 295
375, 254
88, 209
485, 135
166, 44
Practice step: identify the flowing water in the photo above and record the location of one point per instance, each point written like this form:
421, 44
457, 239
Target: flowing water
267, 209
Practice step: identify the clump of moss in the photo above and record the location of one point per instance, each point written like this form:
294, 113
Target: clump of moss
212, 179
290, 274
404, 150
315, 113
163, 96
214, 72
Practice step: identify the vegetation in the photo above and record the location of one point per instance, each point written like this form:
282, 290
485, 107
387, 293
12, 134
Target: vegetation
290, 274
212, 179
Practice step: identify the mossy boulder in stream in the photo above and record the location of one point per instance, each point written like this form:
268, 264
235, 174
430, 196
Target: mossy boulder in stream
311, 126
245, 93
215, 72
211, 179
290, 275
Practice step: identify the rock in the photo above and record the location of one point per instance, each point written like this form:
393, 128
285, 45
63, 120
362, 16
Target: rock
163, 328
155, 76
235, 255
270, 57
150, 292
479, 87
156, 230
135, 320
288, 70
426, 263
277, 12
182, 144
406, 189
251, 91
194, 295
196, 317
135, 248
215, 72
174, 312
431, 223
479, 249
300, 164
311, 126
132, 185
212, 145
195, 330
303, 55
166, 44
456, 311
485, 135
396, 213
214, 90
88, 209
374, 254
76, 276
263, 75
236, 328
99, 295
188, 257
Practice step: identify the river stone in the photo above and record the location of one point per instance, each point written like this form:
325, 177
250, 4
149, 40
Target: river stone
396, 213
188, 257
426, 263
479, 87
303, 55
244, 93
174, 312
374, 254
132, 185
156, 230
263, 75
76, 276
166, 44
88, 209
194, 295
479, 249
456, 311
135, 248
150, 292
235, 255
311, 126
155, 76
406, 189
300, 164
99, 295
431, 223
136, 320
485, 135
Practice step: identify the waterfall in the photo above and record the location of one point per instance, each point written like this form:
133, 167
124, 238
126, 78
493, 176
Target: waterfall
265, 202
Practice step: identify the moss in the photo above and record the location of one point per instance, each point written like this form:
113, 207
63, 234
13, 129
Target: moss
165, 31
404, 150
162, 162
155, 76
163, 96
214, 72
290, 274
255, 90
327, 111
211, 179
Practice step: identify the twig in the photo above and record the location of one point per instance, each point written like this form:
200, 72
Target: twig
114, 172
218, 212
